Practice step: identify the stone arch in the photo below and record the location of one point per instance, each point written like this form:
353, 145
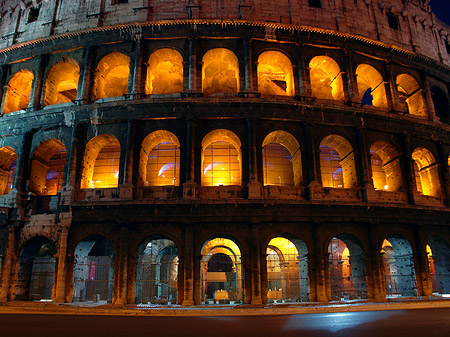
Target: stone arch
221, 158
371, 83
8, 163
398, 266
159, 163
347, 268
61, 83
411, 95
337, 162
441, 104
93, 269
36, 270
18, 91
438, 251
220, 71
386, 167
47, 167
326, 78
156, 271
282, 163
164, 72
287, 270
426, 172
101, 163
111, 76
221, 272
275, 74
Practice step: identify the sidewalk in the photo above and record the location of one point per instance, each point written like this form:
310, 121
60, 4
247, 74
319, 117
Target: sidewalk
91, 308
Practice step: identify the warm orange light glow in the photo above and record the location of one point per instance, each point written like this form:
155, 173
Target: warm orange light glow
221, 159
164, 72
62, 82
426, 168
326, 78
18, 91
386, 168
411, 95
378, 174
111, 76
7, 169
101, 163
330, 167
367, 77
220, 72
277, 165
275, 75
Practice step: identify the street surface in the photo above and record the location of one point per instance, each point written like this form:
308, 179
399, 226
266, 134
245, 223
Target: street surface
398, 323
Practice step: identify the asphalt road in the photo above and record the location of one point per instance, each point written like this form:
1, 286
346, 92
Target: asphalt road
411, 323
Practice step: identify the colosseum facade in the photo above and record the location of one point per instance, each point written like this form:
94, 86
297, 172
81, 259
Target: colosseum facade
223, 152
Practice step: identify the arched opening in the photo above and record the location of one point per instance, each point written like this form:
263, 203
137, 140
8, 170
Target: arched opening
287, 271
47, 167
156, 272
398, 267
111, 76
371, 86
62, 82
337, 163
441, 104
438, 251
18, 90
410, 95
101, 163
160, 159
386, 168
8, 163
93, 270
221, 270
347, 269
220, 72
36, 272
275, 74
426, 172
282, 163
164, 72
326, 78
221, 158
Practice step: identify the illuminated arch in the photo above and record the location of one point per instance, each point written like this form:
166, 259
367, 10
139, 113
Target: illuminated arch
8, 162
164, 72
221, 270
386, 168
287, 270
62, 82
347, 268
18, 91
282, 163
101, 163
275, 75
370, 82
426, 172
111, 76
411, 95
326, 78
156, 271
47, 167
220, 72
398, 267
221, 158
337, 162
93, 269
159, 163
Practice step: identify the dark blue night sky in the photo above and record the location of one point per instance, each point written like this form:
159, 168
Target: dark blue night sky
442, 9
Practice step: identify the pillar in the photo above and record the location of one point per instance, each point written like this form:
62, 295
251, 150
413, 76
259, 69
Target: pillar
320, 266
120, 297
375, 280
429, 105
197, 280
254, 186
248, 71
7, 267
423, 275
350, 79
188, 259
86, 73
38, 83
59, 295
255, 254
362, 163
135, 81
126, 170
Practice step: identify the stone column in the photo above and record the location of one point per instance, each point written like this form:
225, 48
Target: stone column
188, 259
86, 73
350, 82
254, 187
423, 276
192, 64
59, 296
126, 171
255, 254
304, 82
197, 280
248, 73
395, 103
189, 186
444, 174
37, 89
375, 284
134, 84
407, 168
320, 265
7, 266
429, 105
120, 297
362, 163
